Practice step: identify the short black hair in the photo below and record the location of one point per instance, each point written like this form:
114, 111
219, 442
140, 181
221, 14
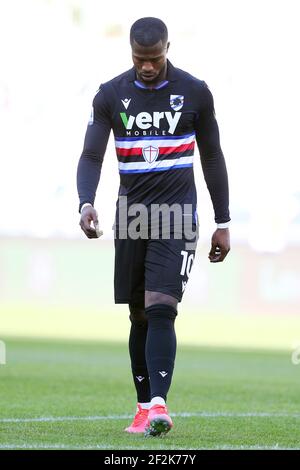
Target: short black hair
148, 31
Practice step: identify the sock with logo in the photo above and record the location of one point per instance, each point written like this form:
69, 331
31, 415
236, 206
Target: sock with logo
137, 342
160, 347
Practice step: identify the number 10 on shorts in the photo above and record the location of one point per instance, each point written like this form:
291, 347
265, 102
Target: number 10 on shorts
187, 262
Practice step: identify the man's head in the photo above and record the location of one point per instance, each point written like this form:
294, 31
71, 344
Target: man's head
149, 44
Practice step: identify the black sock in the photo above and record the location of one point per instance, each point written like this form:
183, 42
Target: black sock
160, 347
137, 342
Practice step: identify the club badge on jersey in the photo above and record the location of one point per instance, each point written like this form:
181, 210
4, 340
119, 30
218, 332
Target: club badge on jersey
150, 153
176, 102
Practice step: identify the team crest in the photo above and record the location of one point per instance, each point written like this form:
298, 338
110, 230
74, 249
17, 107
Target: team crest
150, 153
176, 102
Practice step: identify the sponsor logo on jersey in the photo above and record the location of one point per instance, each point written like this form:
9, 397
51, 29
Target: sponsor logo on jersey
126, 102
146, 120
176, 102
150, 153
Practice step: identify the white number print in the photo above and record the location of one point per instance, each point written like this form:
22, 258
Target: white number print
187, 263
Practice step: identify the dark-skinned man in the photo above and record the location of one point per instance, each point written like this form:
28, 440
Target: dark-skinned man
157, 112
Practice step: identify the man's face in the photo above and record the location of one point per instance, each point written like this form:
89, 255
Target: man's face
150, 62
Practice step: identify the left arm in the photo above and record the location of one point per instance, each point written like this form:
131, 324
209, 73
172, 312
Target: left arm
215, 174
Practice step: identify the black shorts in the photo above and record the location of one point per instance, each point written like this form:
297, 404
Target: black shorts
157, 265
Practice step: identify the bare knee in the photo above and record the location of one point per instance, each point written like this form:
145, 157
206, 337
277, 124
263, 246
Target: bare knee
152, 298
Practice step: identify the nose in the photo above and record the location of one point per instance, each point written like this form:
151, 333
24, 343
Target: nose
147, 67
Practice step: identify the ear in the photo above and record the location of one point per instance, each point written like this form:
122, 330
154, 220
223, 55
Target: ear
168, 45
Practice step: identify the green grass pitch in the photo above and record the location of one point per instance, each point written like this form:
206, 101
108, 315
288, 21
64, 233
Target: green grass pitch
79, 395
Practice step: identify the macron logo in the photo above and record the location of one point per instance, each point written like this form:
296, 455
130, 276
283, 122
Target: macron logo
126, 102
145, 120
140, 378
163, 373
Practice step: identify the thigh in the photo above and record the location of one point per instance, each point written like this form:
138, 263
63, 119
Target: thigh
168, 265
129, 275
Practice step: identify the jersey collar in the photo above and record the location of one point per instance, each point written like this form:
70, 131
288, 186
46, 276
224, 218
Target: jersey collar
157, 87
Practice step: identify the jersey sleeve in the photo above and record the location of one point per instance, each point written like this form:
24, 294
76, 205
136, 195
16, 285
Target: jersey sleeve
212, 158
95, 143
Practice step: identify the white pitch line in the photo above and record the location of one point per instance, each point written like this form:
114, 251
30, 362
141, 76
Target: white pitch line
108, 447
58, 419
229, 414
204, 414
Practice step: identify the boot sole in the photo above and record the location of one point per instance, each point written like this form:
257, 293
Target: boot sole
158, 426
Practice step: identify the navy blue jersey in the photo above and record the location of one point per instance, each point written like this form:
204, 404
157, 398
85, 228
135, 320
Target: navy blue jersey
155, 130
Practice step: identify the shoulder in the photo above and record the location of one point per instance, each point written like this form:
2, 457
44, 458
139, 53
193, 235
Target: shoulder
179, 74
197, 86
106, 92
117, 81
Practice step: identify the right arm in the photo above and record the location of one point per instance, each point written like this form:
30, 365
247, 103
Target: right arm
215, 174
90, 162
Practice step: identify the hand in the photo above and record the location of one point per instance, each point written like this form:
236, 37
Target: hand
89, 215
220, 245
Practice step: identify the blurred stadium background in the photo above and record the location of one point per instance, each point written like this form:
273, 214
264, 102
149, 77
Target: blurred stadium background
56, 283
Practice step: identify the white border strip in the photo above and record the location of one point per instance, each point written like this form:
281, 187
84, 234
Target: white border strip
155, 164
